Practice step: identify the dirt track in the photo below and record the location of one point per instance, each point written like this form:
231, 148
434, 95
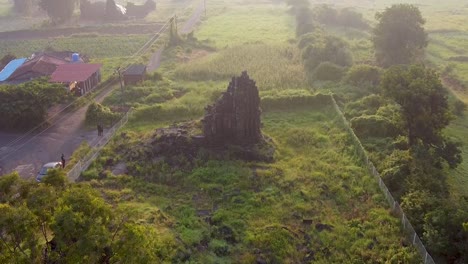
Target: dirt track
124, 29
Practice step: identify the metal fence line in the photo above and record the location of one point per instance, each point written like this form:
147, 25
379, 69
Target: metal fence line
407, 227
86, 161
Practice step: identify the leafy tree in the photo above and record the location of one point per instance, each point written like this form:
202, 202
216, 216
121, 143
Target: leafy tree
23, 7
24, 106
58, 10
399, 37
363, 75
331, 49
81, 226
18, 226
423, 102
304, 22
444, 231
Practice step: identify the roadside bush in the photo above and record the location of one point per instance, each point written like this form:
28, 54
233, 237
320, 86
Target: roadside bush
98, 113
328, 71
25, 106
363, 75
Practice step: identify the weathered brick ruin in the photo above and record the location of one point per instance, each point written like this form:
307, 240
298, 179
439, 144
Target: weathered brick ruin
235, 117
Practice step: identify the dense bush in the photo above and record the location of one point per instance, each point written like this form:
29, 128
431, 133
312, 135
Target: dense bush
327, 71
367, 105
373, 126
458, 107
331, 49
346, 17
25, 106
363, 75
99, 114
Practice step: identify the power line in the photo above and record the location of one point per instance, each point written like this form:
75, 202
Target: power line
142, 50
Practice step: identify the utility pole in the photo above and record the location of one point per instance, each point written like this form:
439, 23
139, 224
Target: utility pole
121, 84
204, 4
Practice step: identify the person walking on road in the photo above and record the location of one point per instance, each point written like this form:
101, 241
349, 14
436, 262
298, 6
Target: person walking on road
100, 130
63, 161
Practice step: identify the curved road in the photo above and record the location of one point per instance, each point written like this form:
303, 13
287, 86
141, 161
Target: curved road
64, 136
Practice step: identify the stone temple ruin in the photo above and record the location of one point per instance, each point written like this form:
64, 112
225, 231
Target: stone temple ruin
231, 129
235, 116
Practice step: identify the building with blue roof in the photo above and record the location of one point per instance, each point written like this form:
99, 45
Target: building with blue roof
10, 68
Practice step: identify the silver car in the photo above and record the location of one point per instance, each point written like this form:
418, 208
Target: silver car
45, 168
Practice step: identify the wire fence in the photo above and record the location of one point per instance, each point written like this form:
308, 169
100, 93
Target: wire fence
407, 227
86, 161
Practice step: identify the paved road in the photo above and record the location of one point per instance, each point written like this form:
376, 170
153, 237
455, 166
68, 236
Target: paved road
29, 154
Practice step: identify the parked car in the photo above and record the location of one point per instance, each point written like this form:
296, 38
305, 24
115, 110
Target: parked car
45, 168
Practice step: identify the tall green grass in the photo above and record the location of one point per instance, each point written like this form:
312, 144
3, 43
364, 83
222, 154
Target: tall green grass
271, 66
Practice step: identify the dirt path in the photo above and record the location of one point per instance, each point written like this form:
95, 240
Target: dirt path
188, 26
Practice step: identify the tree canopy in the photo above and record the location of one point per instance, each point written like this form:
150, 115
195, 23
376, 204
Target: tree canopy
424, 109
399, 37
423, 101
58, 10
54, 222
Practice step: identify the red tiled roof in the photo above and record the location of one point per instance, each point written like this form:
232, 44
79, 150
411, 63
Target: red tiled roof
42, 64
78, 72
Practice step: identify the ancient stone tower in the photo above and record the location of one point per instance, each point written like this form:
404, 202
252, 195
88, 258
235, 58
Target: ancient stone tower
235, 116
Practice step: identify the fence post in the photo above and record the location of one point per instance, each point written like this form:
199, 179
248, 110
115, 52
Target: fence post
425, 259
414, 238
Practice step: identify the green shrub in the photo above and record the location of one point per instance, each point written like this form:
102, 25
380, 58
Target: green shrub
331, 48
99, 114
363, 75
25, 105
459, 107
327, 71
373, 126
368, 105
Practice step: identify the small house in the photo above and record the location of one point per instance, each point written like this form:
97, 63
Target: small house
10, 68
80, 78
38, 66
134, 74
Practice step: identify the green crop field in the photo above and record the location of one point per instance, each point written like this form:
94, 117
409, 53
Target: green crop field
247, 24
93, 46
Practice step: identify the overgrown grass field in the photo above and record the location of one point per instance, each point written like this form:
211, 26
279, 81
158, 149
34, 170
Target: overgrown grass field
257, 209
